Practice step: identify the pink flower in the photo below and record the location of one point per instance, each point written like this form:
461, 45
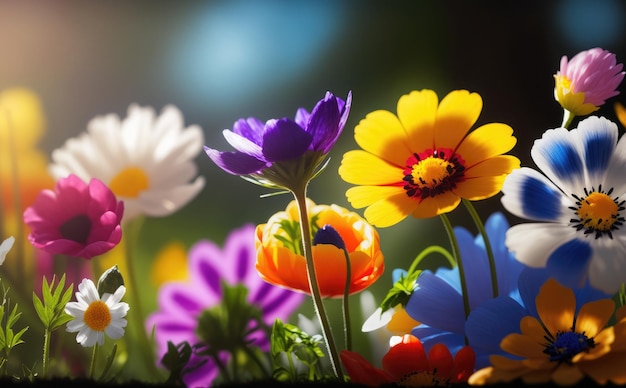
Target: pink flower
584, 83
75, 219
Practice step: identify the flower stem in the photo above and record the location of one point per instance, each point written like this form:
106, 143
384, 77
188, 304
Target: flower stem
305, 229
136, 311
92, 365
457, 255
346, 307
46, 352
568, 117
483, 233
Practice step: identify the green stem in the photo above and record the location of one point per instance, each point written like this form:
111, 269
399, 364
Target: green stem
457, 255
483, 233
46, 352
431, 249
92, 365
305, 229
568, 117
346, 307
136, 310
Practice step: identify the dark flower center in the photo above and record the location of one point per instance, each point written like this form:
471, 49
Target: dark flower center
597, 213
566, 345
430, 173
76, 228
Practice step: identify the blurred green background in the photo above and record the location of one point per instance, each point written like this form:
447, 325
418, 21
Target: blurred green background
219, 61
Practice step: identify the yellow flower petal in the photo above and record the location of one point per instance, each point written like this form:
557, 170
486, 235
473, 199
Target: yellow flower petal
479, 188
556, 305
382, 134
485, 142
434, 206
457, 113
620, 111
594, 316
390, 210
417, 112
362, 196
362, 168
494, 166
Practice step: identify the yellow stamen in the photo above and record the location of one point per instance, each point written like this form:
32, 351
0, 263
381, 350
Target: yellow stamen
129, 182
431, 171
97, 316
598, 211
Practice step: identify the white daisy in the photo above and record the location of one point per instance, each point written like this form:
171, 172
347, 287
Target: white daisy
5, 247
146, 160
578, 205
95, 316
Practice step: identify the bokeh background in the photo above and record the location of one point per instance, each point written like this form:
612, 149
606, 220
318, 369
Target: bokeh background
222, 60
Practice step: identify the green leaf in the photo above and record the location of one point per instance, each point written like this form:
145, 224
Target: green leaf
51, 311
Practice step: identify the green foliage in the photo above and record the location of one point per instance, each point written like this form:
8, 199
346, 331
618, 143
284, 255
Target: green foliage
401, 291
8, 338
51, 311
293, 241
287, 342
176, 360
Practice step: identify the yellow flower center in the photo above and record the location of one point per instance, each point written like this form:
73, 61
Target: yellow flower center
97, 316
129, 182
432, 172
598, 213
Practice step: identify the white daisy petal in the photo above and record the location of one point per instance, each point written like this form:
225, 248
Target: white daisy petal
557, 155
533, 243
586, 165
141, 143
5, 247
530, 195
90, 331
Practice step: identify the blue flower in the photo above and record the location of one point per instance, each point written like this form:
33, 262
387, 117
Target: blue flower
437, 302
578, 203
278, 151
496, 318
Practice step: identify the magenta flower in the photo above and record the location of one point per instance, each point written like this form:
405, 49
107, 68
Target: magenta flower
75, 219
280, 150
584, 83
181, 303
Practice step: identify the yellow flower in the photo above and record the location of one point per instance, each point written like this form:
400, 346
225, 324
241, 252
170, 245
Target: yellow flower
620, 112
280, 260
565, 346
423, 161
170, 264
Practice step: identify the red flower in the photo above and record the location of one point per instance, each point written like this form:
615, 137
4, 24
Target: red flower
406, 364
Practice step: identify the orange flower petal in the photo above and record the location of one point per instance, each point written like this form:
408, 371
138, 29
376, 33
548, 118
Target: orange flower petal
594, 316
556, 305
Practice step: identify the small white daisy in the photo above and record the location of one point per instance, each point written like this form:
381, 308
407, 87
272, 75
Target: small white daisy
5, 247
145, 159
95, 316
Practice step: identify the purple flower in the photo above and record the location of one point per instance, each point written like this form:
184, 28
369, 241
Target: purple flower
75, 219
180, 303
587, 80
261, 150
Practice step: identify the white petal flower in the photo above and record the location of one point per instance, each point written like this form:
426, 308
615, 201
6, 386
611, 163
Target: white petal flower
145, 159
578, 201
5, 247
95, 316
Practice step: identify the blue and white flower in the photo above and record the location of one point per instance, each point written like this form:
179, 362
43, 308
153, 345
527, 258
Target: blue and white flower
577, 203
